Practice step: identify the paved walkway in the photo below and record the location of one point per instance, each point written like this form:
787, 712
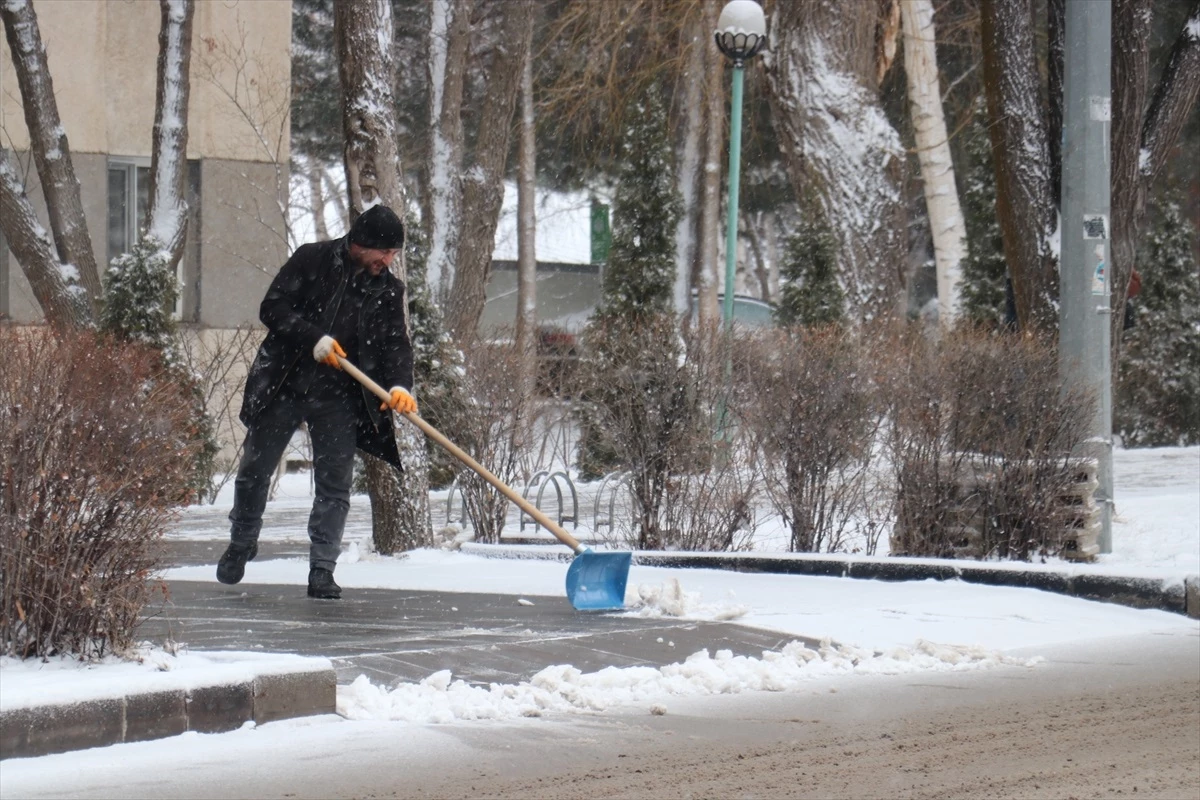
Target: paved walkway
393, 636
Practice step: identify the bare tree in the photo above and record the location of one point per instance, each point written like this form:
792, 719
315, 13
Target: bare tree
607, 53
1021, 152
823, 76
75, 272
56, 286
1142, 141
483, 184
933, 150
449, 29
363, 32
1023, 139
708, 257
526, 329
168, 162
689, 174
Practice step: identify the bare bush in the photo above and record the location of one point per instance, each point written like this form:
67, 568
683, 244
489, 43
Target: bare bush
96, 447
654, 401
981, 440
808, 402
492, 419
219, 361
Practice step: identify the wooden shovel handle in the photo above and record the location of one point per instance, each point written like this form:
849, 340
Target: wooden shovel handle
454, 450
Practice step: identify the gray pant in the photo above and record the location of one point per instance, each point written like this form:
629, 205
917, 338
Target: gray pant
332, 422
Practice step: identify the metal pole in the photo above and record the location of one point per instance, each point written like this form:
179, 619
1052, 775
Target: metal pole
735, 157
1085, 329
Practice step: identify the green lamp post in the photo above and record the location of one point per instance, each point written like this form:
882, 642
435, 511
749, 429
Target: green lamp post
741, 35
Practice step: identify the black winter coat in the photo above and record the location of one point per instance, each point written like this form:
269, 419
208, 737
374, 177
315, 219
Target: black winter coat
300, 308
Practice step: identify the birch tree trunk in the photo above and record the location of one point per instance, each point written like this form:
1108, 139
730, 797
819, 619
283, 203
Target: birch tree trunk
363, 32
838, 144
483, 187
1020, 151
447, 62
52, 155
168, 216
526, 333
933, 150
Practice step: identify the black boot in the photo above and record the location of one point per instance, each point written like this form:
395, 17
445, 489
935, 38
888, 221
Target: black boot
232, 565
321, 585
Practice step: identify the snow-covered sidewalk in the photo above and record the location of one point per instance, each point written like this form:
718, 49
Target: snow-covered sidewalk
879, 627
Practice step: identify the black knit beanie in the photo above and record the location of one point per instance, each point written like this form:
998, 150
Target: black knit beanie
378, 228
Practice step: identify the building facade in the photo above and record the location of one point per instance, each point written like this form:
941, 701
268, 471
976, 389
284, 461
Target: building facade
103, 60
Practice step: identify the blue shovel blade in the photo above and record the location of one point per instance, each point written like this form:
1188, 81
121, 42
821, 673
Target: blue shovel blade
596, 581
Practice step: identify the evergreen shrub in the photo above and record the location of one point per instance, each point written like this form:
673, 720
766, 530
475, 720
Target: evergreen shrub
1158, 391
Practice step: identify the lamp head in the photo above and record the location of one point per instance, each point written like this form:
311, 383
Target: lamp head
741, 30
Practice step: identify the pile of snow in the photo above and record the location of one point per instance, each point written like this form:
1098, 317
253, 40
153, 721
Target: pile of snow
564, 689
669, 599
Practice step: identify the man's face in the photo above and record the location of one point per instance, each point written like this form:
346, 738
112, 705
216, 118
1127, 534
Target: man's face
373, 261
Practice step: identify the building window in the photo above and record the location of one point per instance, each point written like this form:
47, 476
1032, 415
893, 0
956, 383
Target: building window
128, 209
128, 204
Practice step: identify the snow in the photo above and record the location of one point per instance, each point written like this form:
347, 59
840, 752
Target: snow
65, 681
564, 689
866, 627
563, 227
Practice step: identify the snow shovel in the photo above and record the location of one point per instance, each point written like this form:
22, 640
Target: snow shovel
595, 581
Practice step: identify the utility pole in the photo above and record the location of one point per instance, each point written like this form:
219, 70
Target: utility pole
1085, 275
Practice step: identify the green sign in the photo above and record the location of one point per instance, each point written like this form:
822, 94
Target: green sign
601, 233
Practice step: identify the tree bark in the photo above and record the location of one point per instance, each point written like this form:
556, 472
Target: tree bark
1174, 97
57, 289
483, 187
933, 150
1024, 206
1130, 76
1056, 32
168, 216
363, 32
838, 144
526, 333
51, 151
316, 191
709, 256
691, 123
449, 36
1141, 144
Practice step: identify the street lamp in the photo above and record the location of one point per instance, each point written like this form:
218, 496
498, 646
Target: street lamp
741, 35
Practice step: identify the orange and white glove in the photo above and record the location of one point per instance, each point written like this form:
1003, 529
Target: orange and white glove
401, 402
327, 350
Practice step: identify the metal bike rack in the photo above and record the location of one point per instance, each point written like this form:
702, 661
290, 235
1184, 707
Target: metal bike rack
613, 482
522, 517
543, 479
462, 504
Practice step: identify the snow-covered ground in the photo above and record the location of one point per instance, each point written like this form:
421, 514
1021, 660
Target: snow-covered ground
891, 628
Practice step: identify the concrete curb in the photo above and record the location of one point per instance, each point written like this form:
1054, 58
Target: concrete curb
1168, 594
136, 717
